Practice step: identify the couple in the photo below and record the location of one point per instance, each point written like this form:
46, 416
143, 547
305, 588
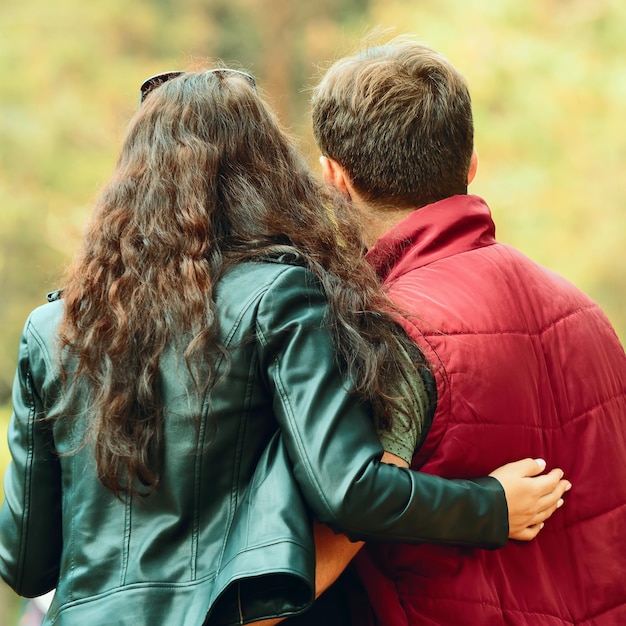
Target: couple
211, 396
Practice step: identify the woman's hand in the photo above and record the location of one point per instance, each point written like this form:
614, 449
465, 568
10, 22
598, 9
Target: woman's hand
531, 498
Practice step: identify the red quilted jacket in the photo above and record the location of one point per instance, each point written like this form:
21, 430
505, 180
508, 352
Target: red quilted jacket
526, 365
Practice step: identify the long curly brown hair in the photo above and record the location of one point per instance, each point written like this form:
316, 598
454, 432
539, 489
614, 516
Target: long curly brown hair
206, 179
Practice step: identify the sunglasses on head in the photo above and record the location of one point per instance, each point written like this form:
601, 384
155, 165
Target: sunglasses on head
152, 83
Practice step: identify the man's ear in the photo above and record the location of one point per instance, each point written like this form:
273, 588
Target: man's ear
334, 174
473, 168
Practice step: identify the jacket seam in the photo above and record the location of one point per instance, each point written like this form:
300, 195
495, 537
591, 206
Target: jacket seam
249, 391
504, 331
500, 608
284, 396
196, 496
591, 518
452, 421
126, 539
584, 620
34, 333
254, 297
39, 340
27, 471
127, 588
267, 544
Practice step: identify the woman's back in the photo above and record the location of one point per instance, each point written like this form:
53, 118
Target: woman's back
227, 506
146, 557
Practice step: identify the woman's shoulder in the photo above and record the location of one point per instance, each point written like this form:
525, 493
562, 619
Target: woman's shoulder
43, 322
39, 340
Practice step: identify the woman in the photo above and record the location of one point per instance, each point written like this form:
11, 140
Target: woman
186, 400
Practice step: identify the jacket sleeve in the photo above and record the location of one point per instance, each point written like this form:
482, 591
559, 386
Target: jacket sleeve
332, 442
30, 518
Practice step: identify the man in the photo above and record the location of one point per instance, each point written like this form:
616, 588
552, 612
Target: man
526, 364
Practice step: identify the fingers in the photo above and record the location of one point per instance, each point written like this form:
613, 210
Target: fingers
550, 486
554, 492
536, 467
529, 533
526, 467
532, 497
548, 505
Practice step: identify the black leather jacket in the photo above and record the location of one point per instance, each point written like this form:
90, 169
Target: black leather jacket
227, 534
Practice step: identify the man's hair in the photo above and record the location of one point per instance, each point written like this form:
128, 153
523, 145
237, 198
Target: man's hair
398, 118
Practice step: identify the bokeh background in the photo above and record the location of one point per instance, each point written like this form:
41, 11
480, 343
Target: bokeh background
548, 80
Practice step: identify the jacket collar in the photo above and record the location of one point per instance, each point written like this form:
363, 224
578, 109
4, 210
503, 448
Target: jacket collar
450, 226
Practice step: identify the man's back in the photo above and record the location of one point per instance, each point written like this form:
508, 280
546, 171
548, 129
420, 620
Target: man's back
526, 365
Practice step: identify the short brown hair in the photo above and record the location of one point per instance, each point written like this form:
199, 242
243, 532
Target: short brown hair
398, 118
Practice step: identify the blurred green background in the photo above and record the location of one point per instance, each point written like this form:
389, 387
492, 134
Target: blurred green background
548, 80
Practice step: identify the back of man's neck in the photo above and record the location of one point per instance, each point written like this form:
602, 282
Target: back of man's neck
379, 220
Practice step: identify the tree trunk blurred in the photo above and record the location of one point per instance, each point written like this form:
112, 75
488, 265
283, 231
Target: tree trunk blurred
276, 20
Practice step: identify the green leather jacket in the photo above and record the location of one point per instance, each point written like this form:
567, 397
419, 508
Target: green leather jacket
227, 534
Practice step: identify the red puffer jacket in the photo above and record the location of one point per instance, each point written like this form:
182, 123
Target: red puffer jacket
526, 365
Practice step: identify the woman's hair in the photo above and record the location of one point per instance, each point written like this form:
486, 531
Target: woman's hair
206, 178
